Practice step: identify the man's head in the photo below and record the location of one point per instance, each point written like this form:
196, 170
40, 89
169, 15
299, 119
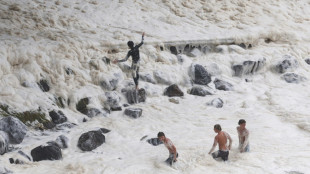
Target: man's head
242, 123
161, 136
130, 44
217, 128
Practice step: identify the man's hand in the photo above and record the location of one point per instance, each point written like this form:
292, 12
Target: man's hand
115, 61
143, 34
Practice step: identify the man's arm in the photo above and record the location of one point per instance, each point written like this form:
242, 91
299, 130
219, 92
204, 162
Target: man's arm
139, 45
239, 136
214, 145
246, 140
174, 151
122, 60
230, 140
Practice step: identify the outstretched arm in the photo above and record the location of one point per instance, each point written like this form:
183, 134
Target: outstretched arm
122, 60
214, 145
139, 45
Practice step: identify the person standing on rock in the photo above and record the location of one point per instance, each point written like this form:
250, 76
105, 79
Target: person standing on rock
221, 139
134, 53
243, 134
173, 155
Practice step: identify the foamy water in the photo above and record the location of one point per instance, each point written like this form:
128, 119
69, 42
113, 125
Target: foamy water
40, 39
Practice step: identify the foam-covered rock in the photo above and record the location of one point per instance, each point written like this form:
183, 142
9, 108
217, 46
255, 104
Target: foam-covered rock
217, 102
288, 63
293, 78
173, 91
199, 90
91, 140
199, 74
147, 77
62, 141
133, 112
134, 96
4, 142
222, 85
44, 86
248, 67
162, 77
46, 152
57, 116
113, 99
15, 129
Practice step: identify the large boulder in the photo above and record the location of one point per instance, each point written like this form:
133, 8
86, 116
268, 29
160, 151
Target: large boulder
46, 152
81, 106
199, 90
293, 78
248, 67
133, 112
113, 99
4, 142
57, 116
199, 74
218, 103
288, 63
134, 96
222, 85
173, 91
15, 129
91, 140
163, 77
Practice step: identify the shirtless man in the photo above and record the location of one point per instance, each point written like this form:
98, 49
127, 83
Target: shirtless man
221, 139
173, 155
243, 134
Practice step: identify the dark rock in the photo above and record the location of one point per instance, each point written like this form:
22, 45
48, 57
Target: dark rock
112, 99
81, 106
134, 96
106, 60
49, 125
62, 141
57, 117
199, 75
288, 63
125, 105
133, 112
60, 102
11, 160
173, 90
200, 91
248, 67
18, 161
154, 141
65, 125
293, 78
4, 142
52, 143
47, 152
24, 155
307, 61
218, 103
15, 129
91, 140
84, 120
173, 50
222, 85
104, 130
110, 84
43, 84
69, 71
116, 108
92, 112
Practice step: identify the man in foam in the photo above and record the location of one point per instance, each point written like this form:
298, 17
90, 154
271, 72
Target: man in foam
134, 53
173, 155
243, 134
221, 139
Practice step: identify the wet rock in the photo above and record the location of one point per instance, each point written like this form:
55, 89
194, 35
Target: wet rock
116, 108
307, 61
174, 100
199, 74
69, 71
43, 84
194, 53
218, 103
154, 141
60, 102
109, 84
200, 91
173, 50
222, 85
81, 106
288, 63
46, 152
147, 77
4, 142
113, 99
162, 77
62, 141
173, 91
293, 78
65, 125
91, 140
106, 60
133, 112
84, 120
57, 117
93, 112
125, 105
248, 67
49, 125
134, 96
104, 130
15, 129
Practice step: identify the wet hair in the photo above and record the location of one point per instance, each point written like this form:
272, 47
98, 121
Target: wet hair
218, 127
130, 44
241, 121
160, 134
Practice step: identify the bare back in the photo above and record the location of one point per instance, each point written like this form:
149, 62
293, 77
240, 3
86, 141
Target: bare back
222, 140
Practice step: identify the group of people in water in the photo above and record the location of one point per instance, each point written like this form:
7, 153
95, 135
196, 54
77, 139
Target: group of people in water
221, 137
220, 140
